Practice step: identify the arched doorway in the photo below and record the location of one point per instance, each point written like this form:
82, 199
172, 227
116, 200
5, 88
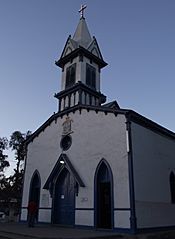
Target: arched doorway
103, 196
64, 199
35, 186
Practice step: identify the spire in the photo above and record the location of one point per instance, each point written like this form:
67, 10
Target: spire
82, 35
81, 61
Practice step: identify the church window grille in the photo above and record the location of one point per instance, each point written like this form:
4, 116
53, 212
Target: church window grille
172, 187
90, 76
70, 75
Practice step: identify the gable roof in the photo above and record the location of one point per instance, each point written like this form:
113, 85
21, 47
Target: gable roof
57, 168
112, 105
130, 114
94, 46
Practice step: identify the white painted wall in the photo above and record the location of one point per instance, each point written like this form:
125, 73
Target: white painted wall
122, 219
23, 214
45, 215
153, 160
98, 136
84, 217
95, 136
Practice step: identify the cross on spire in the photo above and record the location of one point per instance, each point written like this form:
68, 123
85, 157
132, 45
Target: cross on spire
81, 11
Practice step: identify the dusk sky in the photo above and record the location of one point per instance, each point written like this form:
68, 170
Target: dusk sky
136, 38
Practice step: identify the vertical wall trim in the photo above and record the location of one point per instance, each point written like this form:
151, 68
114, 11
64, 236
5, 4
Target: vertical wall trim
59, 107
64, 103
85, 95
69, 100
133, 219
80, 96
74, 98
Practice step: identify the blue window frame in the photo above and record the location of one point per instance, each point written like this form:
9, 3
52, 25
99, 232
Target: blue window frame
70, 75
90, 76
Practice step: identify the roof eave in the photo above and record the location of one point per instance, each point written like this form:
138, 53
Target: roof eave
80, 51
130, 114
147, 123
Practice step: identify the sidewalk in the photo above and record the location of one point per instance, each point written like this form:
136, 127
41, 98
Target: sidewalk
45, 231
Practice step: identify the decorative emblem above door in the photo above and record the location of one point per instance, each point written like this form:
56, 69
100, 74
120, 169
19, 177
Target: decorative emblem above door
67, 126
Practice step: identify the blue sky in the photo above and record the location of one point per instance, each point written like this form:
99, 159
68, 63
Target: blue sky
136, 38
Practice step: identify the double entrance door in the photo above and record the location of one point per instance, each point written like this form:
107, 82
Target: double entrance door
64, 199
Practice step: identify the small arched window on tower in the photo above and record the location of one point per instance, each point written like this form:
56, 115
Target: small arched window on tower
90, 76
70, 75
172, 187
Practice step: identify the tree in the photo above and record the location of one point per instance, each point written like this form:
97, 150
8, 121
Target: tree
4, 183
16, 143
11, 187
3, 162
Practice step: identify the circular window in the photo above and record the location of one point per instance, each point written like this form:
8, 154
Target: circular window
66, 142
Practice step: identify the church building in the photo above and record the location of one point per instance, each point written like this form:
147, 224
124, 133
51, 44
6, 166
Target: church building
93, 164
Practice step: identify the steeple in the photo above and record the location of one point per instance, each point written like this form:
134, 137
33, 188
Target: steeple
82, 35
81, 62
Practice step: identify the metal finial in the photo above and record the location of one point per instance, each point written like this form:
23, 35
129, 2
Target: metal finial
81, 11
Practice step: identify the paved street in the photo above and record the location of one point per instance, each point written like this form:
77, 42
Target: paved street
46, 231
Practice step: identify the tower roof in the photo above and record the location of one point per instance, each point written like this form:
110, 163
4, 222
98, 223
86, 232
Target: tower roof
82, 35
81, 44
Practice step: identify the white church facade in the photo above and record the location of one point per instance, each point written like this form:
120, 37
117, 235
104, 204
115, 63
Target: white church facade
93, 164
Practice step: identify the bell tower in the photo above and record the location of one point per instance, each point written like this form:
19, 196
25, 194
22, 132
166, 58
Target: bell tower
81, 62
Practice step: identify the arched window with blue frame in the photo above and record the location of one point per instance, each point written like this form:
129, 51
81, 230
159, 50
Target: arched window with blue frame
35, 186
103, 192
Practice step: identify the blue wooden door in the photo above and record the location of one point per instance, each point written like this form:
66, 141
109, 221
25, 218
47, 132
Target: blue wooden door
64, 201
